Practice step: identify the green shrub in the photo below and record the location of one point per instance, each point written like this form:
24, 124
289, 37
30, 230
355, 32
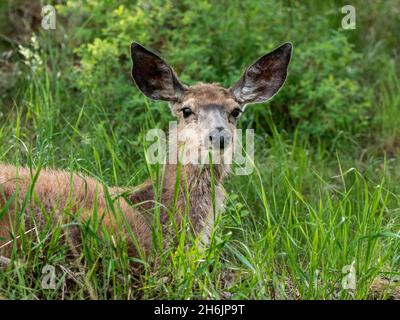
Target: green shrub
324, 93
214, 42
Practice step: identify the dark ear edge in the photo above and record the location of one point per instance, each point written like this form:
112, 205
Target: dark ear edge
283, 51
136, 48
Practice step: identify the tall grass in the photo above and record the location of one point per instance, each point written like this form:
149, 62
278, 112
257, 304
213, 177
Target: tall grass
288, 231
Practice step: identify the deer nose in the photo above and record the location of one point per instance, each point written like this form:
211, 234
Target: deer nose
219, 137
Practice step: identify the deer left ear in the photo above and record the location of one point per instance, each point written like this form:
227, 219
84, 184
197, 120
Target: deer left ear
263, 78
153, 76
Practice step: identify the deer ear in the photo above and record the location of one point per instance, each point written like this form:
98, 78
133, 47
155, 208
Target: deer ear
153, 76
264, 77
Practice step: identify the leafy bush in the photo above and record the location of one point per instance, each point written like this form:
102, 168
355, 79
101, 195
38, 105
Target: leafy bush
324, 93
214, 42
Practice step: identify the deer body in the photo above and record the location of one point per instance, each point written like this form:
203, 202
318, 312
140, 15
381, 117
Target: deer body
207, 111
59, 191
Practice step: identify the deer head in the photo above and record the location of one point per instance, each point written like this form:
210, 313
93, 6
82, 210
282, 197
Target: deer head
208, 111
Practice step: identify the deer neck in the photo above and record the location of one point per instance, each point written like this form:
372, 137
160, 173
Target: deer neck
200, 193
196, 192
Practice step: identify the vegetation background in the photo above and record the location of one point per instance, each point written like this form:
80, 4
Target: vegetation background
325, 194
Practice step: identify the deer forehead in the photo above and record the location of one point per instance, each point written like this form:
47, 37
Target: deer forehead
202, 96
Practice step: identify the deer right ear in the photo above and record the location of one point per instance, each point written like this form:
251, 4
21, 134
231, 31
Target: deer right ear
264, 77
153, 76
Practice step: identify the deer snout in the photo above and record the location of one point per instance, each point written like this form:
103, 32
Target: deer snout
219, 138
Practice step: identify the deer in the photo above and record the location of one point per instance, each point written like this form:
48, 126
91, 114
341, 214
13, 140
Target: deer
210, 110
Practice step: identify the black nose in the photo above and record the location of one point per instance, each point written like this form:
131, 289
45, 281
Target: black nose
219, 137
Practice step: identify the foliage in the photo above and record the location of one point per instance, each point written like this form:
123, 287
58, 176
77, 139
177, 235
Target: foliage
325, 189
324, 94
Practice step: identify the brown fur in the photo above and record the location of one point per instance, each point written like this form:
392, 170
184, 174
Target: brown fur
61, 191
203, 94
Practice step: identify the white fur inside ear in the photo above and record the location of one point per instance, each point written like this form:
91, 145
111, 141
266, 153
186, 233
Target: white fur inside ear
263, 79
256, 91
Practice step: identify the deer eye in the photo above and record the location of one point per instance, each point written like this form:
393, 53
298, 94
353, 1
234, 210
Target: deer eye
236, 113
186, 112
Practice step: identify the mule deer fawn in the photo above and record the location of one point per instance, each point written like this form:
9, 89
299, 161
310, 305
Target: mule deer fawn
210, 110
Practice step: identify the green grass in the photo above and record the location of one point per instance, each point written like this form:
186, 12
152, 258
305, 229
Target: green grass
288, 230
310, 208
